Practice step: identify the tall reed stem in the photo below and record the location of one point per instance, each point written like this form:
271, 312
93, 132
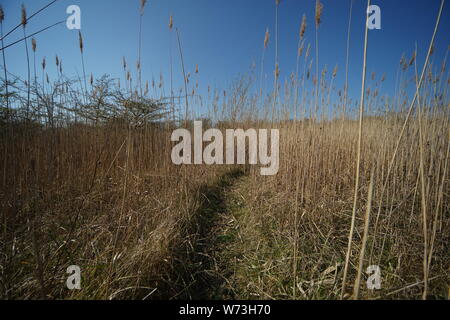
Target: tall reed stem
358, 156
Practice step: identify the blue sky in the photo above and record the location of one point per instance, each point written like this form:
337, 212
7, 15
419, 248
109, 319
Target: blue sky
225, 37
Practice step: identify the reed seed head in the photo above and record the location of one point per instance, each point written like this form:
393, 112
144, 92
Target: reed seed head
301, 48
277, 71
170, 23
33, 44
196, 69
124, 63
303, 27
57, 60
277, 2
24, 16
319, 11
266, 38
91, 80
335, 70
143, 2
413, 58
43, 64
2, 14
80, 40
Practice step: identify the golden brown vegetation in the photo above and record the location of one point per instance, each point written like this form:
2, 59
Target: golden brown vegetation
87, 179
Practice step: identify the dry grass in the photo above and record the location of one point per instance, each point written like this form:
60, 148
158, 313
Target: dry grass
87, 179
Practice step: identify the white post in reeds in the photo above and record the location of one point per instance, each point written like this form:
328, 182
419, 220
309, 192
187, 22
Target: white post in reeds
358, 156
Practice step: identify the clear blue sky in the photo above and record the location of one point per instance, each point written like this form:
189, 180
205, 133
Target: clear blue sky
225, 37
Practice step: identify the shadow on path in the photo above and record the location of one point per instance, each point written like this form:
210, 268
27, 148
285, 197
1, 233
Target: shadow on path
196, 267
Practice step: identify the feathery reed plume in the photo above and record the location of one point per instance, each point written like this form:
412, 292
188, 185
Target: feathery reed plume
2, 18
318, 16
266, 43
24, 16
413, 58
300, 47
24, 24
33, 47
266, 38
80, 41
91, 80
143, 3
196, 68
81, 45
277, 71
43, 64
303, 27
57, 60
170, 23
335, 70
319, 11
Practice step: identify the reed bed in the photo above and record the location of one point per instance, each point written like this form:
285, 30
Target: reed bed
87, 179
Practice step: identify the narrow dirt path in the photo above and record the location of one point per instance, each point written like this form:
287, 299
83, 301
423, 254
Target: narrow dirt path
198, 270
